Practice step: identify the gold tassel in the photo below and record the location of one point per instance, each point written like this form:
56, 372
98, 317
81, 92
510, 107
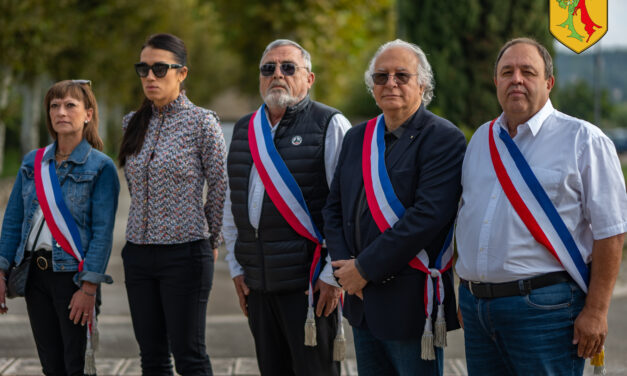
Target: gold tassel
339, 344
90, 362
310, 328
95, 335
93, 338
427, 352
440, 328
598, 361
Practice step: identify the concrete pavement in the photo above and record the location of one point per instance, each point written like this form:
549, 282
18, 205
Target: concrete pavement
229, 342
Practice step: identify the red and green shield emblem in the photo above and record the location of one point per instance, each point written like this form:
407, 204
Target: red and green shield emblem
578, 24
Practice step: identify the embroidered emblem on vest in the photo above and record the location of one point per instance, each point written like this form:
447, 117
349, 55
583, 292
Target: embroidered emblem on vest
297, 140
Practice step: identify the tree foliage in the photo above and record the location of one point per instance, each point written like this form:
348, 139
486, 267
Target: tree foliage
461, 40
341, 35
577, 99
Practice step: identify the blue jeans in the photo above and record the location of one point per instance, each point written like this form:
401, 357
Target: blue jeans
523, 335
376, 357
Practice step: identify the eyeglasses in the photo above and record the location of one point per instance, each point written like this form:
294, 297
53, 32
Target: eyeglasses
159, 69
288, 69
401, 78
82, 82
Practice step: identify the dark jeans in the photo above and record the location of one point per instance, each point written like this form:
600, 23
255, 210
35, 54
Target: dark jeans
60, 343
523, 335
393, 357
168, 290
277, 321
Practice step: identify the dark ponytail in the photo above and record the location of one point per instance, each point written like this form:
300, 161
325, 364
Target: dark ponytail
135, 133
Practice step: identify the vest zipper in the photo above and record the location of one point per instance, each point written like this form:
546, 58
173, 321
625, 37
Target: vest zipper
261, 259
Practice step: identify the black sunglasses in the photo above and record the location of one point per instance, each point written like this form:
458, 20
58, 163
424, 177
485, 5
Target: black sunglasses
401, 78
159, 69
288, 69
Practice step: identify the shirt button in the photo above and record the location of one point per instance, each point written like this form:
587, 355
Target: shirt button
486, 221
482, 276
481, 249
493, 197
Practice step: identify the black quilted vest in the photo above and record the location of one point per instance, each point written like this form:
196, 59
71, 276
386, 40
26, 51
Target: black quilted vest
276, 258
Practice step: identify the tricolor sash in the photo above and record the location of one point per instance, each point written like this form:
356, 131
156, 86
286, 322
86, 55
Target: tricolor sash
534, 207
285, 194
56, 213
387, 209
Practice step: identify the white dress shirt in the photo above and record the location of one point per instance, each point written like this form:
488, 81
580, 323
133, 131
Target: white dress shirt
338, 126
45, 240
579, 169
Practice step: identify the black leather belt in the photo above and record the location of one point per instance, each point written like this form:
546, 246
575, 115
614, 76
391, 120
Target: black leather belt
42, 259
514, 288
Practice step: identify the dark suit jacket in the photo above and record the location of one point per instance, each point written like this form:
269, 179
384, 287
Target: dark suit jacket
425, 170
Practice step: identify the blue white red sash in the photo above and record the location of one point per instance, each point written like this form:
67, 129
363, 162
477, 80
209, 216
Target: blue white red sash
56, 213
534, 207
387, 209
282, 188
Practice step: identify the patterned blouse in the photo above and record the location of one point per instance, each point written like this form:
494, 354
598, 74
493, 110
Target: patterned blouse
184, 145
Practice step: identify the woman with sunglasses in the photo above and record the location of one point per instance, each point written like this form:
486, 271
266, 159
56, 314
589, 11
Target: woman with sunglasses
169, 149
58, 225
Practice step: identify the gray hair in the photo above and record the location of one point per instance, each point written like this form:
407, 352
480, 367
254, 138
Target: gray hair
544, 54
425, 74
286, 42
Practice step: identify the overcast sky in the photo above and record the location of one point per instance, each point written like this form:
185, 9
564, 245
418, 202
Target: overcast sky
616, 36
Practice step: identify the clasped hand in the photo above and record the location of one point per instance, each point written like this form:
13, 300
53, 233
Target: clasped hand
348, 277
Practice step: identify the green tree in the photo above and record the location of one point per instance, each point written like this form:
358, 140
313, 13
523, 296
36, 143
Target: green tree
341, 35
577, 99
43, 42
461, 40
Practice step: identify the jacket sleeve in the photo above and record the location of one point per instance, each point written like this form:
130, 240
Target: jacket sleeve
332, 212
104, 204
12, 225
435, 201
213, 151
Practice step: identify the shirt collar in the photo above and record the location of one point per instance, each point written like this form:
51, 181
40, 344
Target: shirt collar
78, 155
536, 121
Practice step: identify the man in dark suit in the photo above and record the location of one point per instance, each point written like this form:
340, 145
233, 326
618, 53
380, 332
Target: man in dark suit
394, 196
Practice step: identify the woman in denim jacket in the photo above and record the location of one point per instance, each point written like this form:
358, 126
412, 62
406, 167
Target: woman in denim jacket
60, 300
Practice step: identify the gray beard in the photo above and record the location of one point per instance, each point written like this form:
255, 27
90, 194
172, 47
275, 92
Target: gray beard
280, 99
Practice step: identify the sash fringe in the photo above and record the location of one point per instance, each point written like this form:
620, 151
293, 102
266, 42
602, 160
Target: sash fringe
440, 328
427, 352
310, 328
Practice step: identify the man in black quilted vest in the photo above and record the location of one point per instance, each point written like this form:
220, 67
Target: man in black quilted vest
280, 165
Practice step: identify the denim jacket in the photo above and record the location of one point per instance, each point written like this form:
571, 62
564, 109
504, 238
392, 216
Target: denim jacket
90, 188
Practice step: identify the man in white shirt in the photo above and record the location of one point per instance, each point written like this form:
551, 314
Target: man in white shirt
524, 311
269, 260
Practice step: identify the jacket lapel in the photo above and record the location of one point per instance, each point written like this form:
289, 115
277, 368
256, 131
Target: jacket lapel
409, 136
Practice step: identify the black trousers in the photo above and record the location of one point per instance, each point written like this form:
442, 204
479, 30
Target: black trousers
60, 343
168, 290
277, 321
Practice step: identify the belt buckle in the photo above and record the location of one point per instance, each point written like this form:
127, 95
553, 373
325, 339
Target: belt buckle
41, 262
